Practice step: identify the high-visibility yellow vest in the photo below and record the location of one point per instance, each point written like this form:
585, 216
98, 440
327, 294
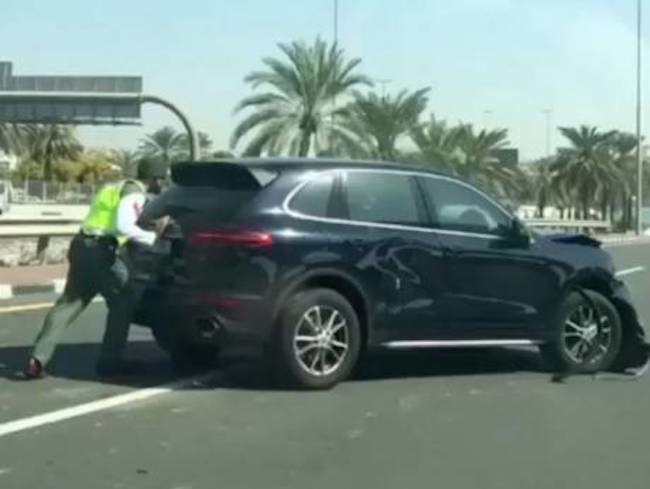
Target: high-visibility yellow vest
100, 220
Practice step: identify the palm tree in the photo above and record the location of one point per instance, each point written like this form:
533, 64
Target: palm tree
50, 143
165, 144
479, 163
380, 121
620, 186
127, 160
8, 138
544, 185
437, 145
205, 146
587, 166
298, 112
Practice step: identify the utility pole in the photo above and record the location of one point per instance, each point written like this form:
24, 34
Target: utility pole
383, 82
487, 115
336, 43
547, 114
639, 153
336, 21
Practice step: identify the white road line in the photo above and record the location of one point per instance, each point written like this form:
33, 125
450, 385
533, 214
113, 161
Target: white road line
99, 405
629, 271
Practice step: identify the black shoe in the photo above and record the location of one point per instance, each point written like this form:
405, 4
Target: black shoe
118, 369
34, 369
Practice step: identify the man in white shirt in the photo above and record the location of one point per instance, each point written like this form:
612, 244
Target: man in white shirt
120, 311
96, 261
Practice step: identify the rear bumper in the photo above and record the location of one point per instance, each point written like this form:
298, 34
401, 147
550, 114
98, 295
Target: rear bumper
200, 318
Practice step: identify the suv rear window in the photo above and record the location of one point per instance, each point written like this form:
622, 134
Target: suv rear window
217, 190
314, 197
383, 198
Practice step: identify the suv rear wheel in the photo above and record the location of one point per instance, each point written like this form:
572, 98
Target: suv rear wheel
318, 339
586, 336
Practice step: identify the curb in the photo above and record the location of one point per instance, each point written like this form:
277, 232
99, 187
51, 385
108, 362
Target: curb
52, 286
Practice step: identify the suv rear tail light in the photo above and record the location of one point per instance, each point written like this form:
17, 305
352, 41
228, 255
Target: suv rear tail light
254, 239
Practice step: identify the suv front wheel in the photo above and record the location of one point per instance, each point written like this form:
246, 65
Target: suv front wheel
586, 335
318, 339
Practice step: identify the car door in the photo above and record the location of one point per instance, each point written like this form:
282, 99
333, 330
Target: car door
394, 251
496, 285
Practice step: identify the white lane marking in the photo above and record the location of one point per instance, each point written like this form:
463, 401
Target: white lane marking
629, 271
34, 306
4, 471
99, 405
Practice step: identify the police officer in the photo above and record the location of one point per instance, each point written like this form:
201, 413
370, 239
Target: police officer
96, 267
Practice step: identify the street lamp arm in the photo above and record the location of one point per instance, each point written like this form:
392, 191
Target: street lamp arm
193, 140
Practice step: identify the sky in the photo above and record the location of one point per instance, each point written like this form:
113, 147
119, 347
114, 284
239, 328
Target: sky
493, 63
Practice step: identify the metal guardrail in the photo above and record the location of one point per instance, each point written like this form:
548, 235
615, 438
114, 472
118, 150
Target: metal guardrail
46, 193
51, 226
566, 224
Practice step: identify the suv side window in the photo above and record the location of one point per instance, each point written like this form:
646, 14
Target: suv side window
457, 207
313, 199
382, 198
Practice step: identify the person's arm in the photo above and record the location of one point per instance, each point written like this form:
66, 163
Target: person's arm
127, 215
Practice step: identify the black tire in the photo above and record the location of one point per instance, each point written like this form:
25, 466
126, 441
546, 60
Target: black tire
556, 352
292, 366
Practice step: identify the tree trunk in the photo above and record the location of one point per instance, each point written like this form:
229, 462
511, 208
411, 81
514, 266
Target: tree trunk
541, 205
624, 211
47, 169
604, 204
305, 141
628, 205
585, 207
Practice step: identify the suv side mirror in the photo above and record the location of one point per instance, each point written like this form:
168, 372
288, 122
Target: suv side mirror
519, 235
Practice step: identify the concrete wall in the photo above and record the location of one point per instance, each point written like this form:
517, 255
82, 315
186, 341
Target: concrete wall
43, 211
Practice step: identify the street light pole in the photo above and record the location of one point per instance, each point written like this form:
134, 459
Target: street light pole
547, 113
336, 21
487, 114
639, 155
336, 44
191, 134
383, 82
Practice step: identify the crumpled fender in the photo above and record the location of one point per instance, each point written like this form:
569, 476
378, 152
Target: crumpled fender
579, 239
635, 349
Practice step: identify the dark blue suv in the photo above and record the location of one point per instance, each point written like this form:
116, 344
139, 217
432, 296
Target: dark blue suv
318, 260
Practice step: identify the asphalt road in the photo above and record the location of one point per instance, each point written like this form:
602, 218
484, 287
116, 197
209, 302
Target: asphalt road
489, 419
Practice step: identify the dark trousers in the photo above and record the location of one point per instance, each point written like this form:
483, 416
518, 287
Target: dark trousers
120, 311
94, 269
